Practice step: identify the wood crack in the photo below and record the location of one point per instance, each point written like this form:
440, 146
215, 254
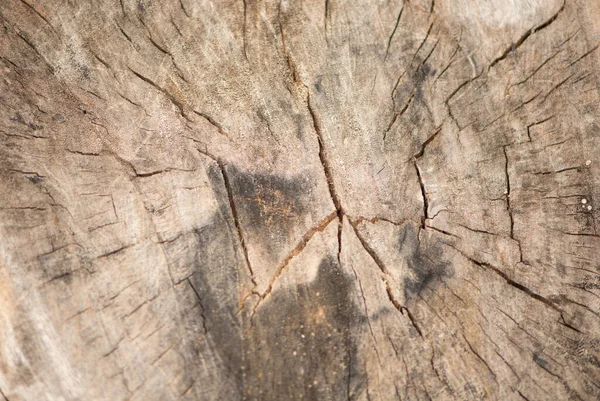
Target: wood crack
453, 93
399, 114
212, 121
443, 71
32, 8
297, 250
167, 94
536, 123
374, 220
387, 49
416, 157
362, 293
513, 47
166, 52
185, 11
326, 16
371, 252
423, 195
507, 193
535, 71
323, 157
479, 357
35, 50
202, 310
412, 59
508, 280
232, 206
556, 87
115, 251
560, 379
244, 40
584, 55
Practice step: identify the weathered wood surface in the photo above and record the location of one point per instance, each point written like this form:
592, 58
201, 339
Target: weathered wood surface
299, 200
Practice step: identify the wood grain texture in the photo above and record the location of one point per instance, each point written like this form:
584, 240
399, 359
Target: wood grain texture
299, 200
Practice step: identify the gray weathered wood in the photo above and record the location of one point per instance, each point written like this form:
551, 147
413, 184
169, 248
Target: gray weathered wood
299, 200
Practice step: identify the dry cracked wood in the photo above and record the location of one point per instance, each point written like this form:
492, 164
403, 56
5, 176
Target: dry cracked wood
299, 200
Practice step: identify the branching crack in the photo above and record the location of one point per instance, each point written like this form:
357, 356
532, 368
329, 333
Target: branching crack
323, 156
563, 322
